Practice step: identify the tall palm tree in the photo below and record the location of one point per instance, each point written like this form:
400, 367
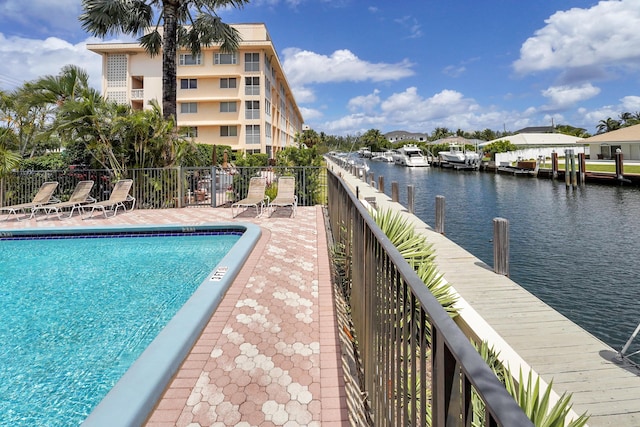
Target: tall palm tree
608, 125
180, 28
69, 84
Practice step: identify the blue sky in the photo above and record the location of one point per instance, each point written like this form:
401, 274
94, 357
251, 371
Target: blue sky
409, 65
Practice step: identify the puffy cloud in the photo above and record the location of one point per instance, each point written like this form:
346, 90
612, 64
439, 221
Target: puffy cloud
23, 59
602, 36
365, 102
305, 67
566, 96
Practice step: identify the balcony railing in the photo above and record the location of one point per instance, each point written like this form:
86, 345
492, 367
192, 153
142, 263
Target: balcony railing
393, 315
137, 94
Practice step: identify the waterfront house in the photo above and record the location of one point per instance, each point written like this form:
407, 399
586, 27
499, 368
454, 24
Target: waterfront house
603, 146
534, 145
241, 99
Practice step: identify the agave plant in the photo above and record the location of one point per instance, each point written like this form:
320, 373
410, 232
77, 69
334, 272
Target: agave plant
534, 404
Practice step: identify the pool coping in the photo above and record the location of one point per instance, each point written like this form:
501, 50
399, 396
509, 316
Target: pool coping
135, 395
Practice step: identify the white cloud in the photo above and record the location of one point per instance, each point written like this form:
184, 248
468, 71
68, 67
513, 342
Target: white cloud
410, 24
365, 102
454, 71
566, 96
305, 67
604, 35
23, 59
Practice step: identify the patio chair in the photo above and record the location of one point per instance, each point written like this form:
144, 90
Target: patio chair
255, 196
286, 195
44, 196
119, 196
78, 199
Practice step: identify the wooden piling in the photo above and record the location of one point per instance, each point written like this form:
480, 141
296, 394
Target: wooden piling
394, 192
411, 199
439, 224
554, 165
381, 184
501, 246
619, 164
582, 167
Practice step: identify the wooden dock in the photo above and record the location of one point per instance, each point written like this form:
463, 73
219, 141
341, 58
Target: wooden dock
528, 333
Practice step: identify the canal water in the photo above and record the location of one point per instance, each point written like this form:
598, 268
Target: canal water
575, 249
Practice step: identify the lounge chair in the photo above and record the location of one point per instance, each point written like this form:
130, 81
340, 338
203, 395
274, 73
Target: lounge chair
78, 199
286, 195
119, 196
255, 196
44, 196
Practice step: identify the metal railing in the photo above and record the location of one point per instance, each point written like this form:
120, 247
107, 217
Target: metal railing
417, 366
159, 188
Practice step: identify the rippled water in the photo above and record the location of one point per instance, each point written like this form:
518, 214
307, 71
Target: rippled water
575, 249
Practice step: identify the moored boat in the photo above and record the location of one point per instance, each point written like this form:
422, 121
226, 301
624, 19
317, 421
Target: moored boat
410, 155
457, 155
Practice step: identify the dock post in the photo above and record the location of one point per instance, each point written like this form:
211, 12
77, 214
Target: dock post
501, 246
411, 199
567, 172
619, 165
372, 180
554, 165
440, 214
394, 191
381, 184
572, 159
582, 167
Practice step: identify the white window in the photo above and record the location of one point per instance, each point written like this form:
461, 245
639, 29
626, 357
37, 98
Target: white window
253, 134
191, 132
252, 109
228, 83
252, 62
188, 83
225, 59
252, 85
267, 108
189, 59
228, 107
228, 131
189, 107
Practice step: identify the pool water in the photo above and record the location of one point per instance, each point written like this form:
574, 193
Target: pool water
77, 312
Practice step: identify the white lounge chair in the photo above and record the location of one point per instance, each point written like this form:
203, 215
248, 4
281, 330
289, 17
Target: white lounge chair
119, 196
286, 195
255, 197
44, 196
78, 199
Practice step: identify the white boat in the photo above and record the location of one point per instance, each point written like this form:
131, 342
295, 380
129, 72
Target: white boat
458, 155
410, 155
382, 156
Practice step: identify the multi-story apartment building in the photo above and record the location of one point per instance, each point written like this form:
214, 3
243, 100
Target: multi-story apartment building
240, 99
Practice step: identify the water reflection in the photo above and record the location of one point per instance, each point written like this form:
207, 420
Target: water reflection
575, 249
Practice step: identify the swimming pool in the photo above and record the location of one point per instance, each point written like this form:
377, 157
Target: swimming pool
69, 316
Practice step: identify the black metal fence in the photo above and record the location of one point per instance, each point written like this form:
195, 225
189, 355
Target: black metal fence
418, 368
169, 188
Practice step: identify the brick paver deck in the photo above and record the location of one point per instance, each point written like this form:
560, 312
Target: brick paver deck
270, 354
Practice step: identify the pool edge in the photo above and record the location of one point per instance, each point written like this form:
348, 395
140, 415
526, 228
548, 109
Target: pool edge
134, 396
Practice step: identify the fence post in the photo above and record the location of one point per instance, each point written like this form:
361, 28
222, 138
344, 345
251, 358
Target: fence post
411, 199
394, 191
440, 214
381, 184
501, 246
180, 187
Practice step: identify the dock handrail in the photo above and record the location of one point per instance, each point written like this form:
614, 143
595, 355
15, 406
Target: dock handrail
393, 313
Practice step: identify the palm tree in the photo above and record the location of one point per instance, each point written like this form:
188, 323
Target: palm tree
608, 125
180, 28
